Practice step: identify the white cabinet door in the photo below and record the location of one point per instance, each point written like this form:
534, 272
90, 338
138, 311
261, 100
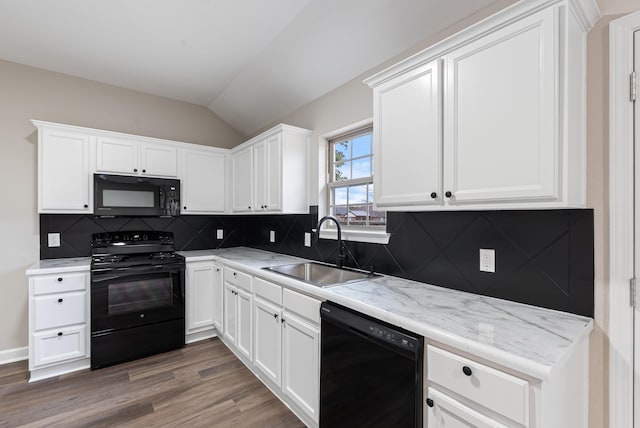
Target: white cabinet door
300, 363
268, 339
243, 180
446, 412
218, 297
500, 128
230, 314
159, 160
65, 181
116, 156
407, 137
244, 326
203, 182
273, 173
200, 278
260, 168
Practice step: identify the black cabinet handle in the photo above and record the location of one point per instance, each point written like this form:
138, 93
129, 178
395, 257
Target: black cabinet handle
86, 205
275, 316
235, 273
429, 402
434, 195
447, 194
249, 207
467, 371
59, 333
184, 208
135, 169
59, 279
217, 269
144, 170
59, 300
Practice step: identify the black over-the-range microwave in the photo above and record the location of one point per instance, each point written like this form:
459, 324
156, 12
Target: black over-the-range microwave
120, 195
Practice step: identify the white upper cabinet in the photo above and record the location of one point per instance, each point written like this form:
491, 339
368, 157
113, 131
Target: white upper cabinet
270, 172
502, 115
122, 156
491, 118
203, 182
408, 106
64, 179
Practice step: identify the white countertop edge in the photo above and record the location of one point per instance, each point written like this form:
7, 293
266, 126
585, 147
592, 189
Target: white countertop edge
49, 266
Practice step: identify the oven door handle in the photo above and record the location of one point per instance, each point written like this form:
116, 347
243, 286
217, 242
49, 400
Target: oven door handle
109, 274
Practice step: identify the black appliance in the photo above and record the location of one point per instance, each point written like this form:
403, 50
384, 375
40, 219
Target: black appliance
137, 296
370, 371
121, 195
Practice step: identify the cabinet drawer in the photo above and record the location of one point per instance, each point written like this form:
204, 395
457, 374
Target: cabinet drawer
268, 290
59, 283
498, 391
55, 346
238, 278
447, 412
57, 310
304, 306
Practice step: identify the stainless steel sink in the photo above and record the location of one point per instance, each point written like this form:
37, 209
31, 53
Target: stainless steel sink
321, 275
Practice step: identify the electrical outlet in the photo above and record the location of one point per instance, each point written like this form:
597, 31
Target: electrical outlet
219, 233
54, 239
487, 260
307, 239
272, 236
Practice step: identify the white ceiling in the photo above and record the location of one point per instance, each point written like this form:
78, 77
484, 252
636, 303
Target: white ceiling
250, 61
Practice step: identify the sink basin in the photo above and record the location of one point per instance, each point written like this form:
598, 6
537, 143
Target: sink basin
321, 275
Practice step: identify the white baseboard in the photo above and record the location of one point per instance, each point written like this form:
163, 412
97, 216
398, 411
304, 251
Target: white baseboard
15, 354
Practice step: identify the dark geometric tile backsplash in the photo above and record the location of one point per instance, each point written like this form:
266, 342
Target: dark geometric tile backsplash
543, 257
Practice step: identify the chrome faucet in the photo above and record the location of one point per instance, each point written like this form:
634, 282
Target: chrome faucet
342, 256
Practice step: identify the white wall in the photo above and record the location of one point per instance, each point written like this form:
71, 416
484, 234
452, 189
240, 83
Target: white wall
29, 93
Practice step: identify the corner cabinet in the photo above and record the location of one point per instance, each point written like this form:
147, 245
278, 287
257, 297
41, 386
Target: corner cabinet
271, 172
65, 184
491, 118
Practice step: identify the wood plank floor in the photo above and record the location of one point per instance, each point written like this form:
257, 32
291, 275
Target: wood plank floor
201, 385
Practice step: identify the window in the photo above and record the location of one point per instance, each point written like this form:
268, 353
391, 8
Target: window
351, 181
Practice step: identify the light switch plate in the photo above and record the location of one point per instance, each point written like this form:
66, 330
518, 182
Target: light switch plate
487, 260
219, 233
54, 239
272, 236
307, 239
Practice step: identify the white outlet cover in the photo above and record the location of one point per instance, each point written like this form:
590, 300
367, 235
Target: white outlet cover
53, 239
307, 239
272, 236
487, 260
219, 233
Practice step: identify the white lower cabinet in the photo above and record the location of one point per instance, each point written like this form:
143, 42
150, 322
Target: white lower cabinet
445, 412
268, 338
59, 328
238, 312
202, 309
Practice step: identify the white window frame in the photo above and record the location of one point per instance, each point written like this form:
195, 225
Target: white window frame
351, 233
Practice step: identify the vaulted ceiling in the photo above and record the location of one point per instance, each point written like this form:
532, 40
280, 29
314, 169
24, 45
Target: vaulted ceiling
250, 61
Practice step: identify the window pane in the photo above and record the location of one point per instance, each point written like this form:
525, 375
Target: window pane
358, 215
358, 194
342, 171
342, 151
361, 168
361, 145
340, 196
340, 213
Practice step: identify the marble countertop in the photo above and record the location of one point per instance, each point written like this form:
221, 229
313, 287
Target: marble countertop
60, 265
526, 338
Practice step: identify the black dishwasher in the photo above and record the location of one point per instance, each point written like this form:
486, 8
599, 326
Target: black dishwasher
370, 371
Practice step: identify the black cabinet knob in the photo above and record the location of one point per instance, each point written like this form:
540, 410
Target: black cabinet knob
184, 208
144, 170
249, 207
467, 371
59, 300
235, 273
86, 205
135, 169
59, 279
275, 316
434, 195
59, 333
447, 194
429, 402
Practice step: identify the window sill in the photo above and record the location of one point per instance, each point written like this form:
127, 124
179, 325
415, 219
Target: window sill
370, 236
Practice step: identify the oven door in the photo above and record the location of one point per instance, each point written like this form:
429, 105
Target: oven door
133, 296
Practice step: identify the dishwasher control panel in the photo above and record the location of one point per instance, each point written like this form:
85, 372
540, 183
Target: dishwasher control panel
391, 336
